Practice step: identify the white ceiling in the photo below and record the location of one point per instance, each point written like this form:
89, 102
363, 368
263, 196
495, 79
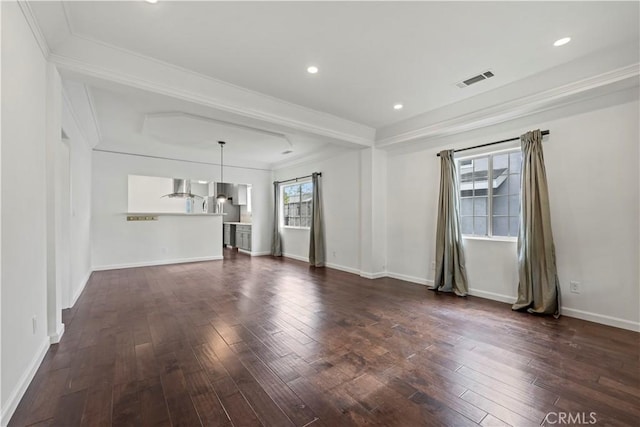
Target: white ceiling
146, 123
171, 79
201, 132
370, 54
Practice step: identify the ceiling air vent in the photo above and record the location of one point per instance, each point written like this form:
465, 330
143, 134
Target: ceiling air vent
475, 79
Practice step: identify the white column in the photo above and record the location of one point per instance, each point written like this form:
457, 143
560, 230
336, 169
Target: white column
373, 212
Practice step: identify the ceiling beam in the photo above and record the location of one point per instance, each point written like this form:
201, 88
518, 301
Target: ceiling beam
108, 63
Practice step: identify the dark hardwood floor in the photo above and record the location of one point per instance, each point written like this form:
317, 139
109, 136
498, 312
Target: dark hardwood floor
264, 341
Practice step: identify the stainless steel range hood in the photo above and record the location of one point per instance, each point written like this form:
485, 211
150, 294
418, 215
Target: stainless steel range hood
182, 189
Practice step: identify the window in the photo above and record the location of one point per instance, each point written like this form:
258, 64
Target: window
490, 194
296, 204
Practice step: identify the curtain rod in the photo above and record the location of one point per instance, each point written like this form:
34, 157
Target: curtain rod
300, 177
544, 132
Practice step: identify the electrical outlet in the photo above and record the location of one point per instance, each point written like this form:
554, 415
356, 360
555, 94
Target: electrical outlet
574, 287
333, 253
433, 265
34, 324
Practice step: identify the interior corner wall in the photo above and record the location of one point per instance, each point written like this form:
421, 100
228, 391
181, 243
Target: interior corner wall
341, 207
54, 287
2, 404
23, 245
80, 170
117, 243
592, 164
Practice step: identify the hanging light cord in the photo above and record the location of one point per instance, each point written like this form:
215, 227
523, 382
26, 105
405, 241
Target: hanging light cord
221, 161
221, 197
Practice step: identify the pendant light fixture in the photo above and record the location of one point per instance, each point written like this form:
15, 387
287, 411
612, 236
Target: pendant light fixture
221, 197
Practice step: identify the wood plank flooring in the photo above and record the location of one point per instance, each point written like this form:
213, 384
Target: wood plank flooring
265, 341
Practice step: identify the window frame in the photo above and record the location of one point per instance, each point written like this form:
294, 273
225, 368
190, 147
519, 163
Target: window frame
282, 204
489, 155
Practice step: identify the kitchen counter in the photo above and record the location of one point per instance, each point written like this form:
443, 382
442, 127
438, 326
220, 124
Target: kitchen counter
154, 238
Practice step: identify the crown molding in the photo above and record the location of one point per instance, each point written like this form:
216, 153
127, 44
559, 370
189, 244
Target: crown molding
517, 108
92, 110
206, 77
25, 7
67, 18
204, 119
196, 74
87, 69
89, 127
76, 121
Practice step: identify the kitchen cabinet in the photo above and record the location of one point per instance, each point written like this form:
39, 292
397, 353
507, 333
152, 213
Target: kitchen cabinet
237, 235
240, 194
227, 235
243, 237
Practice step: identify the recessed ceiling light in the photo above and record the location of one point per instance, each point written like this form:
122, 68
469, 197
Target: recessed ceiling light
151, 1
562, 41
202, 182
398, 107
312, 70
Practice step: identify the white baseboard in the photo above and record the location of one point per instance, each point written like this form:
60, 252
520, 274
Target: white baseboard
565, 311
492, 296
264, 253
55, 339
243, 251
297, 257
600, 318
78, 291
342, 268
23, 383
372, 276
412, 279
153, 263
327, 264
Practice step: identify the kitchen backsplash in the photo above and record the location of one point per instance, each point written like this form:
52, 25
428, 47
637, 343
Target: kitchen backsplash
244, 215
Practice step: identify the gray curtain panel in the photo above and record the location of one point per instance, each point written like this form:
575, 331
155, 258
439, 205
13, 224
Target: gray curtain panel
450, 274
276, 241
538, 290
316, 233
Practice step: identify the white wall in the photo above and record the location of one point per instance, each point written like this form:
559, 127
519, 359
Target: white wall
3, 412
24, 268
60, 216
80, 162
592, 167
145, 195
373, 202
117, 242
341, 203
53, 145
